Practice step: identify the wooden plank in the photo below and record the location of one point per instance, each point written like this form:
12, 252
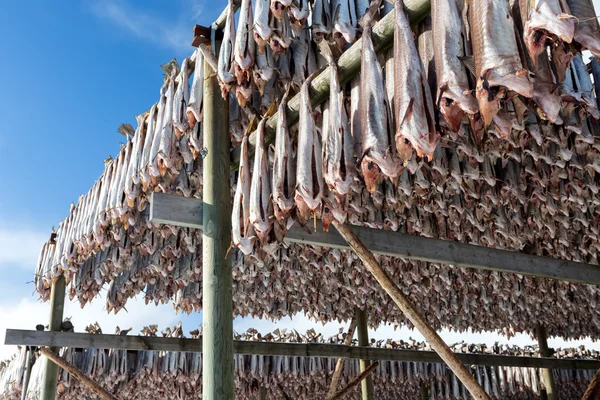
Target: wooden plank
320, 350
348, 67
57, 306
217, 284
77, 374
359, 379
339, 365
166, 208
547, 377
363, 340
407, 246
411, 313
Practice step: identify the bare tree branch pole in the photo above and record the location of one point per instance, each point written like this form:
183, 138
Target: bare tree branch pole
593, 390
411, 312
354, 382
78, 374
339, 366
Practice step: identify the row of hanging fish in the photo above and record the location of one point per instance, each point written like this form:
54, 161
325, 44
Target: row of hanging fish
159, 374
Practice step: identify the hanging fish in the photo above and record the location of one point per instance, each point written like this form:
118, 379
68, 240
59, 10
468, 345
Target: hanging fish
279, 7
244, 45
261, 206
415, 127
338, 147
454, 97
344, 22
309, 173
304, 62
194, 108
262, 27
226, 53
242, 230
180, 102
281, 38
298, 13
587, 29
321, 20
153, 171
546, 92
165, 156
264, 69
284, 176
378, 149
133, 176
547, 21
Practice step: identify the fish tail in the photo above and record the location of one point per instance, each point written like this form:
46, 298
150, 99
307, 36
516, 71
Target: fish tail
367, 19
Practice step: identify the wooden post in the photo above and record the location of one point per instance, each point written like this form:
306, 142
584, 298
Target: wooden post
359, 379
363, 340
546, 372
339, 366
413, 315
217, 298
57, 306
424, 391
77, 373
593, 390
28, 366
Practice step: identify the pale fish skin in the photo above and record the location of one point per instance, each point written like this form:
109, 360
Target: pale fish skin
454, 97
261, 205
244, 45
165, 156
304, 59
263, 69
226, 56
180, 102
309, 173
338, 148
298, 12
242, 231
546, 19
279, 7
498, 65
133, 170
321, 20
153, 171
378, 151
194, 108
148, 144
262, 29
345, 22
284, 174
281, 38
587, 29
546, 91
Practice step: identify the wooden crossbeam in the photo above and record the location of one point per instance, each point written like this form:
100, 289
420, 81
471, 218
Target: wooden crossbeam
320, 350
175, 210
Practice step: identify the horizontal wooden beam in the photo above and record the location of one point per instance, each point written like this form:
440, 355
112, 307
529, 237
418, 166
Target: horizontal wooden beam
174, 210
321, 350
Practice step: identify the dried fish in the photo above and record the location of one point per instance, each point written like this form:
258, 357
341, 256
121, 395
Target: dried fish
304, 62
262, 27
194, 108
498, 65
165, 156
298, 15
546, 21
180, 101
225, 73
454, 97
261, 205
378, 149
321, 20
242, 232
344, 22
244, 46
587, 29
281, 38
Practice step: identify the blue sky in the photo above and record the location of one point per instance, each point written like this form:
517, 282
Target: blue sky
72, 72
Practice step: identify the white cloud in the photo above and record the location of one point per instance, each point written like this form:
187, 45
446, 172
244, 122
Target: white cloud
175, 35
21, 247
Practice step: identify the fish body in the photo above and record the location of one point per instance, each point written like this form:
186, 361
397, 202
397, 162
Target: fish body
284, 176
226, 53
321, 20
298, 13
587, 29
132, 180
378, 149
242, 230
281, 38
194, 108
304, 58
454, 97
546, 20
309, 172
279, 7
415, 126
263, 69
545, 90
180, 102
261, 206
165, 157
498, 67
244, 45
153, 171
338, 147
344, 23
262, 28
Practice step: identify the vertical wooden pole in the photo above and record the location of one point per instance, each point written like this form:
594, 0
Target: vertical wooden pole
546, 372
217, 300
57, 306
263, 392
363, 340
424, 391
28, 366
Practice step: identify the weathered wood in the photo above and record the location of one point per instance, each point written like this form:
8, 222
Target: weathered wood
57, 306
27, 377
339, 365
348, 67
359, 379
424, 391
413, 315
321, 350
407, 246
547, 377
167, 208
363, 340
78, 374
593, 390
217, 285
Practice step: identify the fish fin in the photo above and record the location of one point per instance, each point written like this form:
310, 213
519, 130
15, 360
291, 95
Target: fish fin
469, 62
369, 16
409, 111
326, 51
